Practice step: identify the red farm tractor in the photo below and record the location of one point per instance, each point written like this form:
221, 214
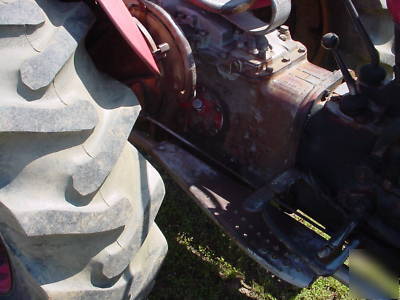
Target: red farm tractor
251, 106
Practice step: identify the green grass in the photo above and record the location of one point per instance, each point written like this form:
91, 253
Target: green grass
202, 263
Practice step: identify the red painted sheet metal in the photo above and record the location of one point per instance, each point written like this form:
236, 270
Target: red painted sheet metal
124, 22
394, 7
261, 3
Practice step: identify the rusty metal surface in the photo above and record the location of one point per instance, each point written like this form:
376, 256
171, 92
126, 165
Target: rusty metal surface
194, 149
221, 198
265, 117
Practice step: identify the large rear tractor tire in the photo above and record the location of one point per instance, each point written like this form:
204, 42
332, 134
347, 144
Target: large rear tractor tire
77, 202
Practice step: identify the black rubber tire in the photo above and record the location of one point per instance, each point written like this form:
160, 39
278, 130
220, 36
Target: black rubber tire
77, 201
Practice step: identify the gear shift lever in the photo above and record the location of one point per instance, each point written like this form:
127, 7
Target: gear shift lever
331, 41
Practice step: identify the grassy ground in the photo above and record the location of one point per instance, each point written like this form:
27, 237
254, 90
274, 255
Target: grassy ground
202, 263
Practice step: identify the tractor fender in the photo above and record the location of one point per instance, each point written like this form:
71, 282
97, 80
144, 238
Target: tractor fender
120, 16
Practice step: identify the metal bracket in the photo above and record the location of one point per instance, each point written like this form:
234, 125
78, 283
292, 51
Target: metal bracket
257, 201
249, 23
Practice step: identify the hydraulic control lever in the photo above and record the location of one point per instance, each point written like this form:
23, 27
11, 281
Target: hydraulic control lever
353, 104
331, 41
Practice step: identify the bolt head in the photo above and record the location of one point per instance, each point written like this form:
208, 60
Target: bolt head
197, 104
283, 28
164, 47
283, 37
253, 51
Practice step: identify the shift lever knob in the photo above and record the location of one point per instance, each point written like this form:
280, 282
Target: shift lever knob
331, 41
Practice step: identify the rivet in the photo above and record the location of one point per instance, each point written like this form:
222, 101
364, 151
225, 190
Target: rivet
237, 226
197, 104
245, 234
